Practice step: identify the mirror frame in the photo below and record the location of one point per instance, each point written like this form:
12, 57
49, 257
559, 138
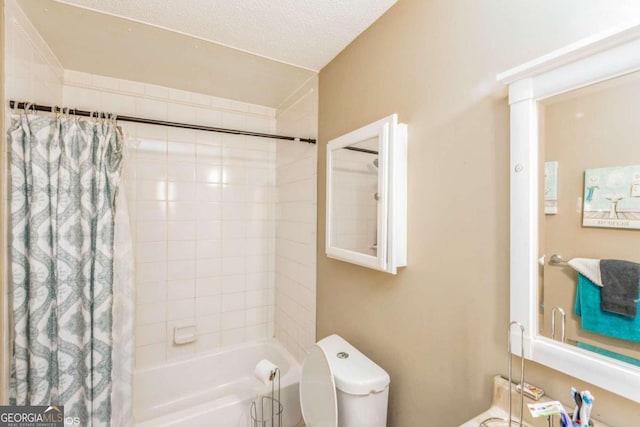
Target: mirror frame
598, 58
392, 207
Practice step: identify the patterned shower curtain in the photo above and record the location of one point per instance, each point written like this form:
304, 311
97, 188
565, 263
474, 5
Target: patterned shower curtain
65, 174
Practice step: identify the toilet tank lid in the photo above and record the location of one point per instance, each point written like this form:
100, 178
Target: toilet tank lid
353, 372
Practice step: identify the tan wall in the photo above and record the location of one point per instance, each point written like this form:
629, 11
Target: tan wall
595, 127
439, 326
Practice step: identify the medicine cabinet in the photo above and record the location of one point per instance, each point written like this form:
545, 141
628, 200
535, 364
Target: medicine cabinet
367, 196
556, 102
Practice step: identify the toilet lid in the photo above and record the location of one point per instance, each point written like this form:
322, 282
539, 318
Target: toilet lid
318, 390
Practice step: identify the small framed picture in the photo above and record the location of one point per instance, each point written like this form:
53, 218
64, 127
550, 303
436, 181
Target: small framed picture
550, 188
612, 197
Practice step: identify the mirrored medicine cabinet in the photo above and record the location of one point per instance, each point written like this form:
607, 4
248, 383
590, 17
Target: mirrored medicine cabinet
367, 196
575, 193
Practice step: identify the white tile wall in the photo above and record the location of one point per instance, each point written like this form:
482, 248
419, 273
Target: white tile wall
296, 223
32, 73
203, 218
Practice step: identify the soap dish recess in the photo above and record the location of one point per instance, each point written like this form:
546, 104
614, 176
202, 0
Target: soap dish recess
184, 334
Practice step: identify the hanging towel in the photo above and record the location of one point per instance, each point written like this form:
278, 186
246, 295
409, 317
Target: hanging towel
620, 286
609, 353
590, 268
595, 320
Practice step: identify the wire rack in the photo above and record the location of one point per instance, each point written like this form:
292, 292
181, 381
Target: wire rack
510, 422
266, 411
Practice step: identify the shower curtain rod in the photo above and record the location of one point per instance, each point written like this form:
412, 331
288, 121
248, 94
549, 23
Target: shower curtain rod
47, 108
361, 150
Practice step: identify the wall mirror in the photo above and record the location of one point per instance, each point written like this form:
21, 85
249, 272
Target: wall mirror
367, 197
575, 200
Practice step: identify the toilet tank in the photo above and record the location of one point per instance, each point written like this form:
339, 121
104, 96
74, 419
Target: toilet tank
362, 386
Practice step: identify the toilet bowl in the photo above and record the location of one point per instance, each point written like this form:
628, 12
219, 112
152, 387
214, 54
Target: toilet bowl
340, 386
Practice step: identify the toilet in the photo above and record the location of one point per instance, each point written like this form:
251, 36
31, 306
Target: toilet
340, 386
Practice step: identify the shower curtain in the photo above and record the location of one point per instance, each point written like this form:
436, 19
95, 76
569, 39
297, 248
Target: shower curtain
69, 328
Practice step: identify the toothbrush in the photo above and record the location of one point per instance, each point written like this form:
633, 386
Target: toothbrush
565, 420
587, 405
578, 399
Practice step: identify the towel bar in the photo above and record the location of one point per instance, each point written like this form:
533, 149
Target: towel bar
557, 259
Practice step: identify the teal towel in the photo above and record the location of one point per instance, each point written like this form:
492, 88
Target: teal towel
588, 306
621, 357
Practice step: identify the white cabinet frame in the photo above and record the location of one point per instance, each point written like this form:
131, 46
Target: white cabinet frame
392, 195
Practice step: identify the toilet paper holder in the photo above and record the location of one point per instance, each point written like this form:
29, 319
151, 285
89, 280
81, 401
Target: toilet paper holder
266, 411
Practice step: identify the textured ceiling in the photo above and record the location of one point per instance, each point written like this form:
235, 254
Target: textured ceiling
304, 33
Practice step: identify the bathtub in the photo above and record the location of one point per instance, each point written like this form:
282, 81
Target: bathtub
213, 389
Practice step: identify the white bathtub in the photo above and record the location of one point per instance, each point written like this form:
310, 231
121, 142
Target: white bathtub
213, 389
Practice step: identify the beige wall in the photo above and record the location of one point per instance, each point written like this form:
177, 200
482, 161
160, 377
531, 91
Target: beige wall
439, 326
